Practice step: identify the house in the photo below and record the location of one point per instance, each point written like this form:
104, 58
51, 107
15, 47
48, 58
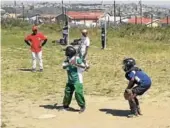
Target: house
82, 18
63, 17
30, 17
111, 19
47, 18
145, 21
165, 21
2, 11
9, 15
139, 20
154, 23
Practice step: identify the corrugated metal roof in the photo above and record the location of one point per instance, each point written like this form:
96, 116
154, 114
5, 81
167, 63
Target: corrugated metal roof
165, 20
138, 20
85, 15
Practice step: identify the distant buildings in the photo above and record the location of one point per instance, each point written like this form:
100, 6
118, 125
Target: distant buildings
150, 22
89, 14
81, 18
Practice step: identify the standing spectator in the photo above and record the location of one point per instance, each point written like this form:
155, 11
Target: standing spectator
36, 40
103, 36
85, 43
65, 33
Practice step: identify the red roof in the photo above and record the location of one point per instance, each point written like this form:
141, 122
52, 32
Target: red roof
85, 15
138, 20
165, 21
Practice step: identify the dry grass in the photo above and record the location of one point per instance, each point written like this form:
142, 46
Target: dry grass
105, 76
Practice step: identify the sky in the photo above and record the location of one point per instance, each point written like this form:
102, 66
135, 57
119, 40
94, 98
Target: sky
164, 3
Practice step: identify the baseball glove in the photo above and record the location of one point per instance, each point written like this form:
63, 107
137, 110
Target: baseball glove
128, 94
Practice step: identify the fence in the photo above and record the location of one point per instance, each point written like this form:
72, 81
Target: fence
97, 22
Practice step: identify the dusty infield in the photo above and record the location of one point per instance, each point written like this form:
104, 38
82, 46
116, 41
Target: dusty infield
101, 112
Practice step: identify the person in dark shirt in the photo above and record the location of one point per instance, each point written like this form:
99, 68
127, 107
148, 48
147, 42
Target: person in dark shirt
136, 77
103, 34
65, 33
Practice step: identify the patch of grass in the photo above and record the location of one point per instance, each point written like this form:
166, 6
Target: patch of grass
3, 125
105, 76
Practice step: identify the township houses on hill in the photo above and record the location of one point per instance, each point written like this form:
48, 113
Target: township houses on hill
87, 18
149, 22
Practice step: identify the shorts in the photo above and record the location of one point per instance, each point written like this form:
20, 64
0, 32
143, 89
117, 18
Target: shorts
139, 90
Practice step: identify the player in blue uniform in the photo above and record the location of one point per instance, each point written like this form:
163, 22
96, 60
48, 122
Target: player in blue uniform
136, 77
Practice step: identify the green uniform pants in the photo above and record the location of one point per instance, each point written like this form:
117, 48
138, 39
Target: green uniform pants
78, 87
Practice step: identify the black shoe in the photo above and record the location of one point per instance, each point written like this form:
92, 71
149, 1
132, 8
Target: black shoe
41, 70
139, 111
82, 109
65, 108
133, 114
33, 70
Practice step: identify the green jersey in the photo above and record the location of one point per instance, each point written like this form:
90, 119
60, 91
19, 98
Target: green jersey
74, 73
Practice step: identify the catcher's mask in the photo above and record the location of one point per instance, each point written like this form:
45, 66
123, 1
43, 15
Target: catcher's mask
128, 64
70, 51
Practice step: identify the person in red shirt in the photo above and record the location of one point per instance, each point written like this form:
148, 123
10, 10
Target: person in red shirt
36, 40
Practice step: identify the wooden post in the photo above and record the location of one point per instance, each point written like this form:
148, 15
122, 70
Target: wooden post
120, 16
23, 11
151, 20
140, 10
84, 22
96, 21
15, 3
114, 12
135, 19
167, 20
62, 11
105, 31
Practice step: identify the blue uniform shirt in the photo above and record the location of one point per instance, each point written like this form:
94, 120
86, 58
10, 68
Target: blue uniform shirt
139, 77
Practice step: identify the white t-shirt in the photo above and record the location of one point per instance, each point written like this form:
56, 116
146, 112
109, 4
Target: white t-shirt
85, 43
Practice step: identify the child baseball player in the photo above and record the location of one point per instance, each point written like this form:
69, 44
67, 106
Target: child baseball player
85, 44
75, 67
136, 77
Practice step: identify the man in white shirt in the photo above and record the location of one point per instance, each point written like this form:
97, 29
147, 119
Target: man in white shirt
85, 43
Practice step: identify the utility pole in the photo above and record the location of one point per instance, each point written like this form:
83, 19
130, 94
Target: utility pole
15, 3
136, 14
105, 26
120, 16
65, 12
114, 12
23, 11
62, 9
140, 10
151, 20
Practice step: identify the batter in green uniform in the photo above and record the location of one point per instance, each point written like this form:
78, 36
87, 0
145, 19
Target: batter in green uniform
74, 67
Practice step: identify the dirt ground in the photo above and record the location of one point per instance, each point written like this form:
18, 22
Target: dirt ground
101, 112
